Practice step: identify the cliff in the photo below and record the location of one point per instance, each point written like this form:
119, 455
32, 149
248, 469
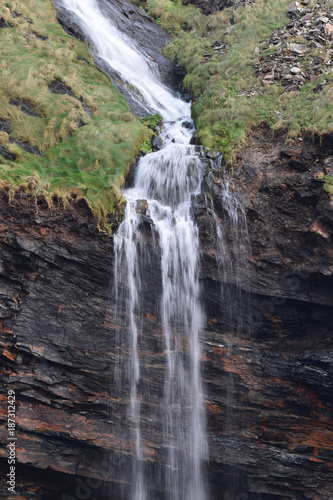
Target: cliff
267, 342
268, 378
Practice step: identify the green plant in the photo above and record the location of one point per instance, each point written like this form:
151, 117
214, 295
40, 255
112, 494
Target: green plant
328, 184
152, 121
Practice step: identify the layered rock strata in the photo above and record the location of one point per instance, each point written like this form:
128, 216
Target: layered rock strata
267, 342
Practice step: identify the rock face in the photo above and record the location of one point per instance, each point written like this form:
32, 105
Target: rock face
285, 362
267, 341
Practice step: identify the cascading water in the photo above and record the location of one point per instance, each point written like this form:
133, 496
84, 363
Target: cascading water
234, 249
166, 179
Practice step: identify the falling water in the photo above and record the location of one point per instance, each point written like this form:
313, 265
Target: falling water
166, 179
233, 251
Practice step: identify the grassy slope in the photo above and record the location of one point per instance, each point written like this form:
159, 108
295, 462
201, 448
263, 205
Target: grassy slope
222, 116
93, 158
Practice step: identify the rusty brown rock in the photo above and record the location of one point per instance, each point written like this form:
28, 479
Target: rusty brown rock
267, 345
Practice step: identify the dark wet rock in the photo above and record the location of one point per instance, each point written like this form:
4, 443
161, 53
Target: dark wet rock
28, 147
65, 18
157, 143
83, 59
15, 14
6, 153
267, 366
5, 24
141, 207
57, 86
212, 155
41, 37
25, 107
150, 37
85, 107
146, 223
187, 124
266, 342
4, 125
81, 123
290, 280
199, 205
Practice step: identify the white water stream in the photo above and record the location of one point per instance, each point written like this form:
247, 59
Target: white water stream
166, 179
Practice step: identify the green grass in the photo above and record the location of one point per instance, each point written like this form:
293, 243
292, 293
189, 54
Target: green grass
92, 159
328, 184
223, 116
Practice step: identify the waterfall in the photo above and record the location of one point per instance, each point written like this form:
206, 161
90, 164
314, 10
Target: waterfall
233, 251
166, 179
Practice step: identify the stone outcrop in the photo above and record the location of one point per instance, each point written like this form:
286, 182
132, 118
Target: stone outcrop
267, 342
279, 357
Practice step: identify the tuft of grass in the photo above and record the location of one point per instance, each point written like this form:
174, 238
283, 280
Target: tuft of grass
328, 184
152, 121
90, 154
229, 99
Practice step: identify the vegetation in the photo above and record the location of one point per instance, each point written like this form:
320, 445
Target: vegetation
153, 122
328, 184
90, 154
229, 97
88, 135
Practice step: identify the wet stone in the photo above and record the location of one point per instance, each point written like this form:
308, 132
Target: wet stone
5, 24
28, 147
141, 207
41, 37
25, 107
57, 86
187, 124
8, 155
4, 126
80, 122
157, 143
85, 107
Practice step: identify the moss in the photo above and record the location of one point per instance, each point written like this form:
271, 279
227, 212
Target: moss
152, 121
328, 184
92, 154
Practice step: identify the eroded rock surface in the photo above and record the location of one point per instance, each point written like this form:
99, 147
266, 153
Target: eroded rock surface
285, 362
267, 344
